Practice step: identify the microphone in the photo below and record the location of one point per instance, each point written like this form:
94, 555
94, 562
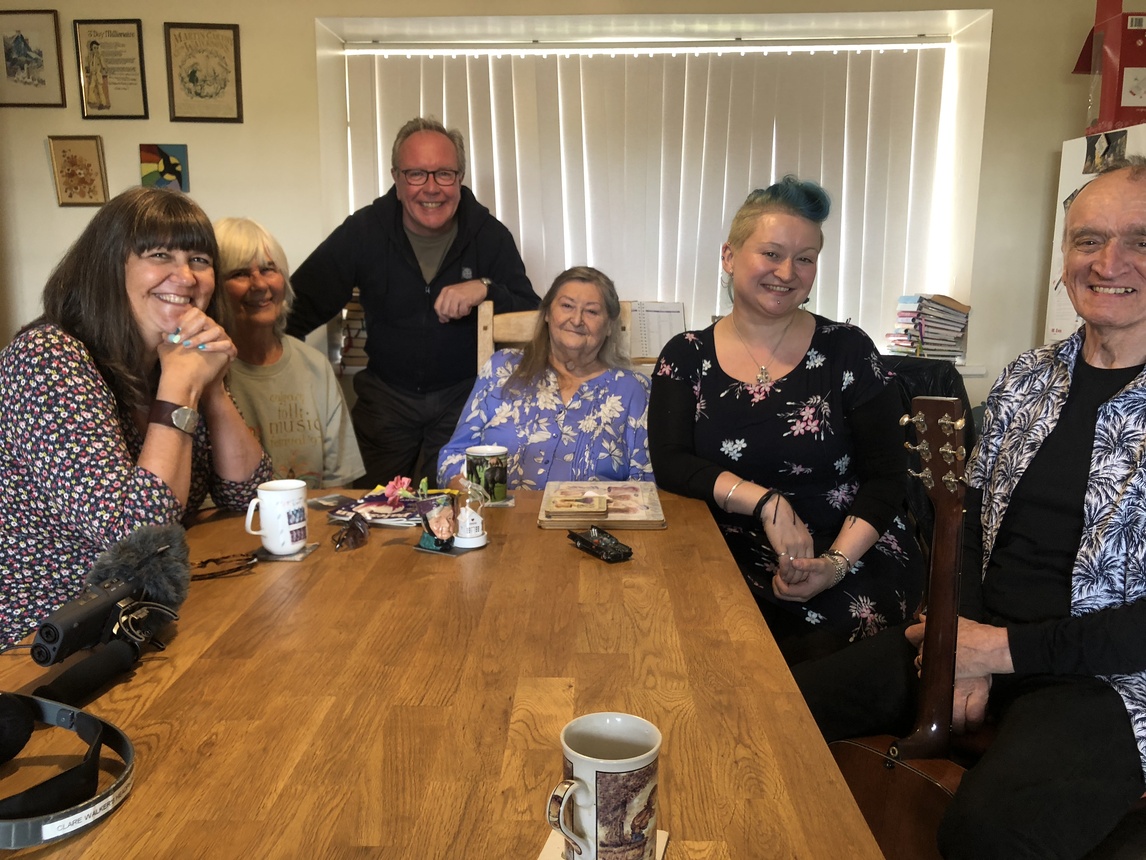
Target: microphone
154, 557
76, 684
133, 589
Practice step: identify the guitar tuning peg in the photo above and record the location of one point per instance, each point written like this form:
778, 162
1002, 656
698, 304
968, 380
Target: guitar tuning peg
951, 482
917, 419
924, 477
950, 426
923, 449
950, 455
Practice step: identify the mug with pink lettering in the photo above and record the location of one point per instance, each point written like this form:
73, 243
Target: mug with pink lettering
282, 515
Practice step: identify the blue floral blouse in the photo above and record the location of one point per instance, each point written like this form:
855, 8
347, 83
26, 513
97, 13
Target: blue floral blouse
600, 434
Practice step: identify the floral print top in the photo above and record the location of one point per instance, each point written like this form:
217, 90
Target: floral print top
600, 434
794, 434
69, 486
1110, 569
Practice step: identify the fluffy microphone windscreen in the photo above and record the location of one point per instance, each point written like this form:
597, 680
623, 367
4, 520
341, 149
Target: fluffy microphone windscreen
16, 723
164, 576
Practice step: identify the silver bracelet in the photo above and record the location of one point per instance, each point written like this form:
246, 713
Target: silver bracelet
841, 563
728, 495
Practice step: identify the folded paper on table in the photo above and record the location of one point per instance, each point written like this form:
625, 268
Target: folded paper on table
377, 511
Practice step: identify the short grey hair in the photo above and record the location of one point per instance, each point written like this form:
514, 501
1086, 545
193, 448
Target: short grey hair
421, 123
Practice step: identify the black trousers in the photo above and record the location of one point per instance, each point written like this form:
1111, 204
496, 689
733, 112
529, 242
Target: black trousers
400, 433
1061, 774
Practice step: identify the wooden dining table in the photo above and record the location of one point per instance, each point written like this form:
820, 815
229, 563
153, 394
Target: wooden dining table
390, 702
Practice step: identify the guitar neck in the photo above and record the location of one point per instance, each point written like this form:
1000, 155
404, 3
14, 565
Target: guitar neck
943, 474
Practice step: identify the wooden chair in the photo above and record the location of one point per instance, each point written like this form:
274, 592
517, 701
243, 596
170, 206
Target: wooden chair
496, 331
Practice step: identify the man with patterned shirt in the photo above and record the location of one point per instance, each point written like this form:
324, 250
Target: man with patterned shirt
1052, 628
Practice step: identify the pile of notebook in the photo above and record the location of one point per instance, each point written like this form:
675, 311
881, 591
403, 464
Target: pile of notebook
930, 326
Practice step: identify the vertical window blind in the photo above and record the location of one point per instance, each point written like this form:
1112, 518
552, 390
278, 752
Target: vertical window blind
635, 162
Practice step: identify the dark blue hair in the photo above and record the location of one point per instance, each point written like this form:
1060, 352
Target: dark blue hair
800, 197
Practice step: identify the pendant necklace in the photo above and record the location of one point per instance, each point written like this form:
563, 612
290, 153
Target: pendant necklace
763, 377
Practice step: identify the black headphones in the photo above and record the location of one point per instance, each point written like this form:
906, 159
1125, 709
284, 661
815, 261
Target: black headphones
68, 801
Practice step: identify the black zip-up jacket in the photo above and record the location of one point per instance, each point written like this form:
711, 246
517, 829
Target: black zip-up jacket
406, 346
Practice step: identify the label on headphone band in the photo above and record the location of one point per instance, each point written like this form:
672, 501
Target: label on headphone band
84, 817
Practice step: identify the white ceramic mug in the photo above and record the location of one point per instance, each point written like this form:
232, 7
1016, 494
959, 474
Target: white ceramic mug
488, 465
606, 806
282, 515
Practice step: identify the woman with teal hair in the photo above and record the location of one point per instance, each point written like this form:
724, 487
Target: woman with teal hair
786, 424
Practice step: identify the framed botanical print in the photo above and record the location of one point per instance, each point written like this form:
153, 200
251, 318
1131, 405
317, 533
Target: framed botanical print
78, 170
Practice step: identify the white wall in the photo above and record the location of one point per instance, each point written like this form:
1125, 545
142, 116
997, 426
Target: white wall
269, 167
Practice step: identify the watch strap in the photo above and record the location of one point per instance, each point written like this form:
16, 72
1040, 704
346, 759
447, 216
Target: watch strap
164, 412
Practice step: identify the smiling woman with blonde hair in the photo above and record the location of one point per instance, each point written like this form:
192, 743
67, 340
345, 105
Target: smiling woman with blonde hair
566, 407
286, 390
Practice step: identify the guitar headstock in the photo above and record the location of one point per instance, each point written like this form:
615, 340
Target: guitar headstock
939, 423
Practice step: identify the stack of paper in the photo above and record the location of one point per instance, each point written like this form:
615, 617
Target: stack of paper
931, 326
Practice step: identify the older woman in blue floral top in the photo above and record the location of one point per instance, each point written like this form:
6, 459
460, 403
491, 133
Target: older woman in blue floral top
565, 407
786, 424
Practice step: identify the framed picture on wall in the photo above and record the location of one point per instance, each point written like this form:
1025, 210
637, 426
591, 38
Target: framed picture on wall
109, 56
33, 67
204, 77
78, 170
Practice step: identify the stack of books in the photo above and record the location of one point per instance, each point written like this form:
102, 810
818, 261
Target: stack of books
616, 504
352, 356
930, 326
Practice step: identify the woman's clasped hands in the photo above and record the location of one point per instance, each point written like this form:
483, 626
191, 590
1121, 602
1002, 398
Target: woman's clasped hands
799, 574
198, 351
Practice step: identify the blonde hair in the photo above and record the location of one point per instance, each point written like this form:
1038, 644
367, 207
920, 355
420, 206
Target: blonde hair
243, 241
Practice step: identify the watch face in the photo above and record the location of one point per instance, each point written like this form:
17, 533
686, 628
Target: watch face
185, 419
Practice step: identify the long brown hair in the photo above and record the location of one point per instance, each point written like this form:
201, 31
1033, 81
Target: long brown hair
86, 294
535, 360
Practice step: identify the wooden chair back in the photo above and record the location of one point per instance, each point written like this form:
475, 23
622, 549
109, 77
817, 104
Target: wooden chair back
497, 331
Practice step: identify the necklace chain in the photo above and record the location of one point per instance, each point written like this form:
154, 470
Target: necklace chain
763, 377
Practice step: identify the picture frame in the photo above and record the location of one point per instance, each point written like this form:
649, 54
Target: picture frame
78, 169
109, 60
33, 74
204, 73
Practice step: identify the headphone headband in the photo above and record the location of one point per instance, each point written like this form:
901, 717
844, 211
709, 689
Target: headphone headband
23, 819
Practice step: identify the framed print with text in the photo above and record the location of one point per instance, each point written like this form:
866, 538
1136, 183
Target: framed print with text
78, 169
109, 56
204, 78
33, 67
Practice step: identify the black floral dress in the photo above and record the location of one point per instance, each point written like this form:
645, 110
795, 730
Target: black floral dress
794, 434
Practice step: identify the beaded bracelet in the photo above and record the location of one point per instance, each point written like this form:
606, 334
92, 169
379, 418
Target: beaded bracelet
840, 561
728, 495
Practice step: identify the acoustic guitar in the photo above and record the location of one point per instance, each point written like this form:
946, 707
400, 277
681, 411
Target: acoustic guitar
903, 785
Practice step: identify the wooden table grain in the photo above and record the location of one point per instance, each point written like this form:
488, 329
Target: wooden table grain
387, 702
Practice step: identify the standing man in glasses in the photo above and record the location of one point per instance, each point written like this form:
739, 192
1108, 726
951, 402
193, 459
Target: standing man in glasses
423, 256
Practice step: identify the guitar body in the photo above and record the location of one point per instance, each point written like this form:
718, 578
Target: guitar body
903, 786
902, 801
